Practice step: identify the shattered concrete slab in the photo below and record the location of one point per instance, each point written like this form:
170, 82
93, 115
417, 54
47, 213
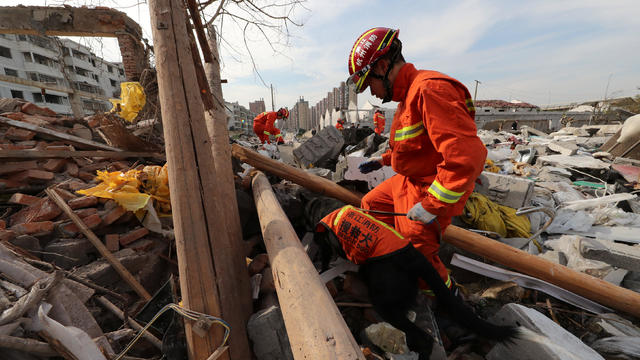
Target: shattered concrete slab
574, 161
505, 190
615, 254
326, 144
269, 336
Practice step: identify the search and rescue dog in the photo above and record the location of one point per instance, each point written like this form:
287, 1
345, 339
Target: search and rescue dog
391, 267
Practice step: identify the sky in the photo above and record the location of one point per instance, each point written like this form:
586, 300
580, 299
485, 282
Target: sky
545, 52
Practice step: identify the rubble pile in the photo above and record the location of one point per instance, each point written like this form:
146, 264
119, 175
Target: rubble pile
54, 279
558, 196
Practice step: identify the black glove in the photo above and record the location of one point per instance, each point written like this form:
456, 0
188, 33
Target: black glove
369, 166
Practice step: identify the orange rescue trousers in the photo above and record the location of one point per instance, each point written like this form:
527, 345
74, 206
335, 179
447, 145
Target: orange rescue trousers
399, 194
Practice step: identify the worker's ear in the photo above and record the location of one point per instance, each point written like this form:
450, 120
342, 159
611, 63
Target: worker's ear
381, 66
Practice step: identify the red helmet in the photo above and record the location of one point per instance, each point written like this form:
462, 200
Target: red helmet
283, 113
369, 47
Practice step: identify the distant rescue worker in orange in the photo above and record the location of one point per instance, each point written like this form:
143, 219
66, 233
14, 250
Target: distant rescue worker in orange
263, 125
379, 121
340, 124
434, 146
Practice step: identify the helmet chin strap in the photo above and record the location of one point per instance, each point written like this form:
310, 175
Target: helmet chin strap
388, 86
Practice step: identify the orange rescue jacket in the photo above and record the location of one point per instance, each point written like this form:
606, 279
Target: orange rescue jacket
379, 120
434, 139
266, 120
339, 126
362, 236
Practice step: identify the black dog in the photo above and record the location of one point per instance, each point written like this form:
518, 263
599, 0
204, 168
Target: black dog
392, 280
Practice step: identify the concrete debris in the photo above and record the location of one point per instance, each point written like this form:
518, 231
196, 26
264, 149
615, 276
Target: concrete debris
269, 336
543, 339
505, 190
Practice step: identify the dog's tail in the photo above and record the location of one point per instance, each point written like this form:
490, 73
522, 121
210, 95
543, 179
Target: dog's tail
458, 310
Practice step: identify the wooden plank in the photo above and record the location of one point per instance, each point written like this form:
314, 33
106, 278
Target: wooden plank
315, 327
197, 24
75, 140
298, 176
64, 154
97, 243
196, 196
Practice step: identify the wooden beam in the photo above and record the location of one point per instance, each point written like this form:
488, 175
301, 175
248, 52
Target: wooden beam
97, 243
582, 284
197, 24
197, 200
71, 139
312, 182
315, 327
63, 154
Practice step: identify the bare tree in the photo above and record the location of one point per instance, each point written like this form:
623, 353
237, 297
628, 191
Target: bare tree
259, 21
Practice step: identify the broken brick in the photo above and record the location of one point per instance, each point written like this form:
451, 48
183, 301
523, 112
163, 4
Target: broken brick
77, 185
33, 176
95, 166
133, 236
112, 241
33, 109
7, 235
83, 202
42, 210
72, 169
11, 167
82, 213
19, 134
86, 176
14, 116
33, 228
23, 199
114, 214
54, 165
65, 195
141, 245
71, 229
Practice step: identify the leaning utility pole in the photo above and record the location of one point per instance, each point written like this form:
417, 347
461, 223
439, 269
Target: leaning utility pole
475, 92
273, 108
198, 205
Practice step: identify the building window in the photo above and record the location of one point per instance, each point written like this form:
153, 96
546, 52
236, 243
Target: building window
66, 51
27, 57
53, 99
113, 82
22, 37
32, 76
5, 52
11, 72
37, 97
95, 77
110, 68
121, 72
81, 71
93, 62
16, 94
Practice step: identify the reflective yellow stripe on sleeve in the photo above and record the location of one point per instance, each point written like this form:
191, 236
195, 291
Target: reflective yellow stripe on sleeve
470, 106
335, 222
409, 132
267, 133
443, 194
279, 135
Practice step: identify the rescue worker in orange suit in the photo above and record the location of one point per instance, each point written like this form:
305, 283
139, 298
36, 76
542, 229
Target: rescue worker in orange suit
379, 121
263, 125
340, 124
434, 147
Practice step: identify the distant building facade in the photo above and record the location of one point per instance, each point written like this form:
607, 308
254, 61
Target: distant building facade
498, 106
257, 106
300, 116
57, 73
239, 117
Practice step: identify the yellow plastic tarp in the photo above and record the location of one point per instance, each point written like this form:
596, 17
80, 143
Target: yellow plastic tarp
132, 100
484, 214
133, 189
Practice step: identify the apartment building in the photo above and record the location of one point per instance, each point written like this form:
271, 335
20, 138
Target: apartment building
239, 117
57, 73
